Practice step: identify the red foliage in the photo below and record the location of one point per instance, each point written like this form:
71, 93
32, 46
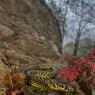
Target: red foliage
93, 67
68, 73
14, 91
11, 91
77, 69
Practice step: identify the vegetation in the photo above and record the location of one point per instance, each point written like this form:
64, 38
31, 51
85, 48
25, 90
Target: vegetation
77, 78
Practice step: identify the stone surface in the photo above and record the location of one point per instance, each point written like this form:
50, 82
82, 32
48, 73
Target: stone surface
5, 31
29, 33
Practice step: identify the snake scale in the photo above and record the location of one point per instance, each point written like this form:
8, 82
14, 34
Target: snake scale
42, 79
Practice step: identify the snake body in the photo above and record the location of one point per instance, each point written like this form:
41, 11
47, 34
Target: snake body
45, 81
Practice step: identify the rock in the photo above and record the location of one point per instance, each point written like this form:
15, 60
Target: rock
29, 32
5, 31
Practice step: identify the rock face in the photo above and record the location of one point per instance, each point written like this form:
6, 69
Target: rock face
29, 33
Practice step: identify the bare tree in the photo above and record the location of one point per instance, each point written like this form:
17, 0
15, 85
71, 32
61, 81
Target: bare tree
84, 15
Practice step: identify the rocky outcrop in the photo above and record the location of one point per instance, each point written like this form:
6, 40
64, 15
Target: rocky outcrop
29, 33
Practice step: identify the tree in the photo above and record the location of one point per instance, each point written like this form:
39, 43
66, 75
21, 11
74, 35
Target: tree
84, 15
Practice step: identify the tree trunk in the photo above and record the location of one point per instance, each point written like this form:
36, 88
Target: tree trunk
94, 44
76, 43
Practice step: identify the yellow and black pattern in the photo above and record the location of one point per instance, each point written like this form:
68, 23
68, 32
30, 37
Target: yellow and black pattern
60, 87
42, 74
49, 85
45, 81
39, 85
57, 86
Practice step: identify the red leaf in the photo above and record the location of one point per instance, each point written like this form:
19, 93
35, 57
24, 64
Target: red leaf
69, 73
93, 67
77, 69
